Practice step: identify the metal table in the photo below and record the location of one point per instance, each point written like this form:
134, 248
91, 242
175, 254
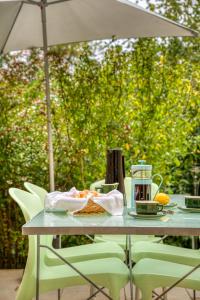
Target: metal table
52, 223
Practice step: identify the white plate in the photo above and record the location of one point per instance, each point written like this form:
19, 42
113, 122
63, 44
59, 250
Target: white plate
140, 216
189, 209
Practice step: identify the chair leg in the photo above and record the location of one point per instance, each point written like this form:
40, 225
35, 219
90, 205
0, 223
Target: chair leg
125, 297
92, 290
114, 292
23, 292
115, 296
137, 294
59, 294
165, 296
146, 294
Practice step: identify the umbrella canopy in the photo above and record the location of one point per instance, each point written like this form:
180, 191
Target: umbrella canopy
67, 21
79, 20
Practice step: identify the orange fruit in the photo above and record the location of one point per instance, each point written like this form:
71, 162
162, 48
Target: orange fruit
86, 191
82, 194
95, 193
162, 198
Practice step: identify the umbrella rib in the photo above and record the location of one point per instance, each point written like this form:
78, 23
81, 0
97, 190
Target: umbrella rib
58, 1
194, 32
31, 2
46, 4
13, 24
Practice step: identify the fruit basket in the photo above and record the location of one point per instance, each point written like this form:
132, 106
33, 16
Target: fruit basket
78, 202
91, 208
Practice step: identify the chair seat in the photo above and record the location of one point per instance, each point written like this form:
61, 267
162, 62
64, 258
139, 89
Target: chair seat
109, 272
86, 252
165, 252
121, 239
149, 274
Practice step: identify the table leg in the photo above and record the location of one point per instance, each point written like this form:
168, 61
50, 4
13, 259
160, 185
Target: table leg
38, 268
58, 246
126, 250
195, 240
194, 295
130, 266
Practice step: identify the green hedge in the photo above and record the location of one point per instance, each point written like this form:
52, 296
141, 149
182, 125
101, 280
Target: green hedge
141, 95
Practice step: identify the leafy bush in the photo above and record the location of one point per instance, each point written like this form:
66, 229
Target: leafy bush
141, 95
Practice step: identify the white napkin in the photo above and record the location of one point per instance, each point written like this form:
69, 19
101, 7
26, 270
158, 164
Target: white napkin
111, 202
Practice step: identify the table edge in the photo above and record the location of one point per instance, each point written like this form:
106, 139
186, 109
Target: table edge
111, 230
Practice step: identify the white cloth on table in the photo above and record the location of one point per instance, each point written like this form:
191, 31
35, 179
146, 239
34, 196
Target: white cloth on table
112, 202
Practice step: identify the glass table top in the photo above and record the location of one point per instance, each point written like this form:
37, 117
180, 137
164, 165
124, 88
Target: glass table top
179, 223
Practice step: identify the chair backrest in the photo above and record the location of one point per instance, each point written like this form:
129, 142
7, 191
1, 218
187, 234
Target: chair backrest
127, 185
96, 184
31, 205
36, 190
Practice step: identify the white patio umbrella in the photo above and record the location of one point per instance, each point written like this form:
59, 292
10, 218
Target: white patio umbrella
66, 21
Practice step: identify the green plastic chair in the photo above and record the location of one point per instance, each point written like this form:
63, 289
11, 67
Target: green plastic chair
149, 274
36, 190
77, 253
164, 252
121, 239
109, 272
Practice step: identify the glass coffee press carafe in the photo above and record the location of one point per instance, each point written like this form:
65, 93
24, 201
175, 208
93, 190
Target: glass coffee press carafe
142, 186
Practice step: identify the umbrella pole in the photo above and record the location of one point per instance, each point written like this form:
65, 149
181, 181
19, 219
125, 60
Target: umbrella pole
48, 100
48, 103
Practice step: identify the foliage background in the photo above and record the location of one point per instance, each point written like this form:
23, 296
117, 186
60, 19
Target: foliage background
141, 95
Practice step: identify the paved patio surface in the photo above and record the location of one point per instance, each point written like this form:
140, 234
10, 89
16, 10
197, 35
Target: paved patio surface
10, 280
